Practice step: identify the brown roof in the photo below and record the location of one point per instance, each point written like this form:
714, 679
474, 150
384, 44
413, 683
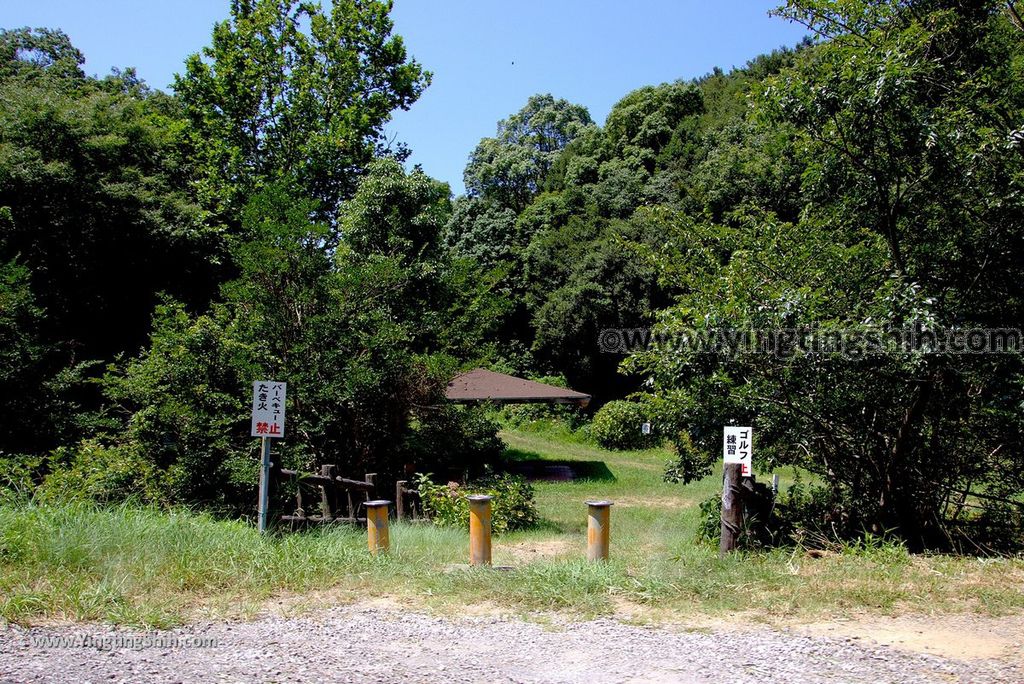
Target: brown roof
484, 385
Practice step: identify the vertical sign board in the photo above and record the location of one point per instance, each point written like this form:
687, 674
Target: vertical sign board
267, 424
738, 447
268, 408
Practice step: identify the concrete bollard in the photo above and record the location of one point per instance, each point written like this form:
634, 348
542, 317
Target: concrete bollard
377, 526
598, 518
480, 529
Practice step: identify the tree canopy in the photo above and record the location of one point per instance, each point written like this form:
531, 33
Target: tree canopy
510, 168
909, 199
290, 91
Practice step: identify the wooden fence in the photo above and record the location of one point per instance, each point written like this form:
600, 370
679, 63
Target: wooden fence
408, 504
330, 498
339, 499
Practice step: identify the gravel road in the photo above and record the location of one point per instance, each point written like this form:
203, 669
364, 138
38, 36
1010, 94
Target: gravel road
370, 644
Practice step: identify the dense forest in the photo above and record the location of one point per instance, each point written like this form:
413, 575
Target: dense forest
160, 251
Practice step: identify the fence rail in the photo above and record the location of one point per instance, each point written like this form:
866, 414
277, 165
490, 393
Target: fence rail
339, 499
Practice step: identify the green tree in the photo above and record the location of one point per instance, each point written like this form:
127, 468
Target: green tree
34, 417
587, 276
511, 167
641, 124
395, 214
483, 230
28, 53
395, 224
329, 331
747, 165
92, 184
362, 334
290, 91
910, 218
94, 205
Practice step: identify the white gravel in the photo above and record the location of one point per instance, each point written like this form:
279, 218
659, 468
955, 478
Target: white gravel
364, 644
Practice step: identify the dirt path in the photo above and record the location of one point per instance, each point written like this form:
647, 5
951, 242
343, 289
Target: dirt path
373, 644
961, 637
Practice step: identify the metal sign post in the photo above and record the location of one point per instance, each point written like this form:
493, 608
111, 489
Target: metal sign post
264, 483
268, 410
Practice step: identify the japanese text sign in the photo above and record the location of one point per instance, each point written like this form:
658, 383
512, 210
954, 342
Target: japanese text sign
268, 408
738, 446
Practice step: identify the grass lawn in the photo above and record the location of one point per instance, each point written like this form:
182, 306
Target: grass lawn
149, 567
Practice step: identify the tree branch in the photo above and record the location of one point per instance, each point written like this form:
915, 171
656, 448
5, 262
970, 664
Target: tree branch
1011, 9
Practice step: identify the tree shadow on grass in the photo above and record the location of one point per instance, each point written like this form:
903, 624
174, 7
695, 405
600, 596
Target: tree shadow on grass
533, 466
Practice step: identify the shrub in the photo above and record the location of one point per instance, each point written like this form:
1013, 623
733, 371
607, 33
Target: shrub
513, 507
524, 415
688, 463
94, 472
618, 426
17, 475
709, 525
455, 438
804, 515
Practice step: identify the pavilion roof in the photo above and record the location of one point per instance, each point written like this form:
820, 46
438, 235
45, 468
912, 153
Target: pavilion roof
482, 385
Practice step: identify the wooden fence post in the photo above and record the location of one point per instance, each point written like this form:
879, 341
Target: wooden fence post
329, 498
732, 509
400, 498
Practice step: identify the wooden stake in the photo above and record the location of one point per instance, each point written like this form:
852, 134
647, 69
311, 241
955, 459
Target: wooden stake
399, 499
732, 509
328, 495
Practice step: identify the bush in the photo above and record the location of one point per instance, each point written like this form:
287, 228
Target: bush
997, 528
571, 416
618, 426
455, 438
709, 525
17, 473
811, 516
93, 472
689, 463
513, 507
532, 415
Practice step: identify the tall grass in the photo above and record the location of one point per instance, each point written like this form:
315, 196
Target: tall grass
152, 567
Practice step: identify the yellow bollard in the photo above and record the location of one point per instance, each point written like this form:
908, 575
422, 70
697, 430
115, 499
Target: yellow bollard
598, 529
377, 526
480, 529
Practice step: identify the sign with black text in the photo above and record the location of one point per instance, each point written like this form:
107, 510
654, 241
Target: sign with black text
738, 447
268, 408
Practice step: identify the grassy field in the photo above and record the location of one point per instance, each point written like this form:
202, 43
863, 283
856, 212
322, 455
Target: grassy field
148, 567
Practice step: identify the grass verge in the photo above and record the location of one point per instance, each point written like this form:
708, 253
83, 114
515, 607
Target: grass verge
156, 568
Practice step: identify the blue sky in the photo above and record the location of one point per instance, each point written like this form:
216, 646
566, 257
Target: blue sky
487, 56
